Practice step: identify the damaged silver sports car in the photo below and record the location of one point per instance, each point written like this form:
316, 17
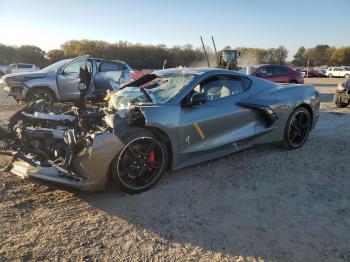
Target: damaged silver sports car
168, 119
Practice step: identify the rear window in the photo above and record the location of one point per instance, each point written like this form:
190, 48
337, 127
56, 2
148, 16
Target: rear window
279, 70
110, 66
246, 83
25, 66
267, 70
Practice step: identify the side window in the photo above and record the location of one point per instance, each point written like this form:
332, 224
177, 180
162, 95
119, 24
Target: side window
281, 70
111, 70
13, 66
73, 69
246, 82
109, 66
218, 87
25, 65
267, 70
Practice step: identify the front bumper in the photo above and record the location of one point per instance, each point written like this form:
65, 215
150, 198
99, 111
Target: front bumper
91, 166
14, 88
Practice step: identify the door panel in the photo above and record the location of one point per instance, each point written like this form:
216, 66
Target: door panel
68, 81
68, 87
208, 128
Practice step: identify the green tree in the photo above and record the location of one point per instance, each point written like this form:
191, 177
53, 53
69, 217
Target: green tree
341, 56
319, 55
299, 59
7, 54
276, 55
30, 54
55, 55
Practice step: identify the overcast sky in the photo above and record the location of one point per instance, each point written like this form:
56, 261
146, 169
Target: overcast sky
249, 23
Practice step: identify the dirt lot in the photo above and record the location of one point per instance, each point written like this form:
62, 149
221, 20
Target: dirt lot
263, 204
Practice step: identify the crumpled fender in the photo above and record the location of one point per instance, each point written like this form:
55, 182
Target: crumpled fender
93, 162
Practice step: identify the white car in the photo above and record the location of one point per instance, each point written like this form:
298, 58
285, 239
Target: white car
22, 68
338, 72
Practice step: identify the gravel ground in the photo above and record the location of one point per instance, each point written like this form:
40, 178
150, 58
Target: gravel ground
263, 204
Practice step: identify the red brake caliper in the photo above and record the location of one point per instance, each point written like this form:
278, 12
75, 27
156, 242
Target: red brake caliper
151, 159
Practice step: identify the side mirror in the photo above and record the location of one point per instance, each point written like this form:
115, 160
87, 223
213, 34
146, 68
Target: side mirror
196, 99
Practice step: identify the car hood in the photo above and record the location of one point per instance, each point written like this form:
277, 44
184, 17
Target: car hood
26, 75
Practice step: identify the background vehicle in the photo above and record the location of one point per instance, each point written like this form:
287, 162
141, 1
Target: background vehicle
278, 74
60, 81
168, 119
338, 72
322, 72
342, 95
22, 68
225, 59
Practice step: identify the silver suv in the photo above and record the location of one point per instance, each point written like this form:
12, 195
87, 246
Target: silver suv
60, 81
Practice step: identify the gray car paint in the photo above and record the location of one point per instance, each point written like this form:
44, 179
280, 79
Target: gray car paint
227, 124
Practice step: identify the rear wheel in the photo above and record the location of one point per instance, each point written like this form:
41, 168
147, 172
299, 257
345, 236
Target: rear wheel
41, 94
330, 75
141, 163
297, 129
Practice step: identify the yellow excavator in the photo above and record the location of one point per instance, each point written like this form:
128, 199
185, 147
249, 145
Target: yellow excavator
226, 58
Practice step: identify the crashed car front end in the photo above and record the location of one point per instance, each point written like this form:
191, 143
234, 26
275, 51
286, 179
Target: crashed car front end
342, 95
66, 146
14, 87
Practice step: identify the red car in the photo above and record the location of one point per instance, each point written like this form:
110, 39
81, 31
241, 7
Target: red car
279, 74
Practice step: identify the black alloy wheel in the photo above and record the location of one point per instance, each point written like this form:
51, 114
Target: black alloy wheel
297, 129
139, 165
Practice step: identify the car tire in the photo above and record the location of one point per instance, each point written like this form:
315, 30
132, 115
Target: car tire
293, 82
330, 75
341, 104
346, 75
297, 128
141, 163
41, 93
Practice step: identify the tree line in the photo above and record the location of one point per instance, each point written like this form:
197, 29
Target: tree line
322, 55
154, 56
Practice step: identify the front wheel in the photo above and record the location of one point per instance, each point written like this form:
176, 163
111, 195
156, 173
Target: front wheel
297, 129
141, 163
41, 94
346, 76
330, 75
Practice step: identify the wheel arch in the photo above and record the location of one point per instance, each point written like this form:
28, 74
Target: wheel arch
309, 108
166, 139
34, 88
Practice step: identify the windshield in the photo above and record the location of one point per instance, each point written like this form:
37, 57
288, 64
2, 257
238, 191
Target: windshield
229, 55
55, 66
153, 88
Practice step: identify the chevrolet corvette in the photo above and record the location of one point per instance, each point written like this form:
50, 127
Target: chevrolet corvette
165, 120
